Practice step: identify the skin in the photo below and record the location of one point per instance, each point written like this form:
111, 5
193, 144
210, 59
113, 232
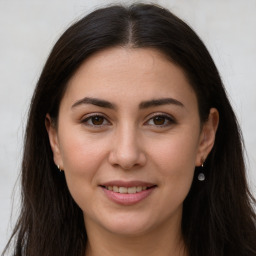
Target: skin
129, 143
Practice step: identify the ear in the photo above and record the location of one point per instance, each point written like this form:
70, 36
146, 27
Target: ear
54, 141
207, 136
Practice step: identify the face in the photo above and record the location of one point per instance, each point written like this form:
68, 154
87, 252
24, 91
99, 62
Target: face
128, 139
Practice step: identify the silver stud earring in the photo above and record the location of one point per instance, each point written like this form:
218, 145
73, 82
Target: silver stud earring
201, 176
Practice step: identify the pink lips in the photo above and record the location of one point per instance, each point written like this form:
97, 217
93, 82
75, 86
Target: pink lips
126, 198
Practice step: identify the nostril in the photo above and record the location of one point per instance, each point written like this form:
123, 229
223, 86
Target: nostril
127, 159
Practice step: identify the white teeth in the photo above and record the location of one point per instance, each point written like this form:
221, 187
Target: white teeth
125, 190
138, 189
132, 190
122, 190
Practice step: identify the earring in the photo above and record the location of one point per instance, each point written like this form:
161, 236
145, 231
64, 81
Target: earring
59, 168
201, 176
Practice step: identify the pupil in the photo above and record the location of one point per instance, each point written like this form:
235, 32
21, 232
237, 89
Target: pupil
97, 120
159, 120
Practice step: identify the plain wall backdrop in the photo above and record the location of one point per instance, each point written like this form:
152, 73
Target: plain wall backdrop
29, 28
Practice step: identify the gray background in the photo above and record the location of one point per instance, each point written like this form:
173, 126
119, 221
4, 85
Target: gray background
29, 28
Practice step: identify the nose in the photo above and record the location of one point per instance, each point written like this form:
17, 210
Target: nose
126, 150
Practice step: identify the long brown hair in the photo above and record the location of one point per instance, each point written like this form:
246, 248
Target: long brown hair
218, 217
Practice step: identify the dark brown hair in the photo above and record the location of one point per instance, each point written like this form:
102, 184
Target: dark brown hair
218, 217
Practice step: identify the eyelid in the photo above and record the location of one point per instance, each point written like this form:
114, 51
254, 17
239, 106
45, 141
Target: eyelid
87, 117
169, 117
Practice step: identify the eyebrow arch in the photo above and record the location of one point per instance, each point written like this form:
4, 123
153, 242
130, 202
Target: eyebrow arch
94, 101
159, 102
142, 105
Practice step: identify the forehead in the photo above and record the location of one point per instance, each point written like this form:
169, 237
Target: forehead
128, 73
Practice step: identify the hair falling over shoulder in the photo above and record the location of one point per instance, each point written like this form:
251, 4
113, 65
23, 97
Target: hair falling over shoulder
218, 216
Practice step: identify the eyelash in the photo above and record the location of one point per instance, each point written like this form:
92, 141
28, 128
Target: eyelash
168, 120
89, 119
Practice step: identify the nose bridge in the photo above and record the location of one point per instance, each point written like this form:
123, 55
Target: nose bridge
127, 140
126, 151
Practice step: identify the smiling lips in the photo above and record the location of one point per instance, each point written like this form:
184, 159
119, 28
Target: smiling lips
125, 190
127, 193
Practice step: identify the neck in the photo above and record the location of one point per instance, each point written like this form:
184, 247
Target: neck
163, 241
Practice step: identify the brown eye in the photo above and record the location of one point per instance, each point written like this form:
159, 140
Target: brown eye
159, 120
97, 120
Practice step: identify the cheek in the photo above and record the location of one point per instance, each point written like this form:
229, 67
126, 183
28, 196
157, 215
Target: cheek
176, 151
82, 157
81, 153
175, 159
82, 162
175, 163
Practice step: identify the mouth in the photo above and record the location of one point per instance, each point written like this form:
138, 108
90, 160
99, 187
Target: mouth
128, 190
127, 193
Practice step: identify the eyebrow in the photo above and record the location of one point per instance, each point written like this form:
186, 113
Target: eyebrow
160, 102
94, 101
142, 105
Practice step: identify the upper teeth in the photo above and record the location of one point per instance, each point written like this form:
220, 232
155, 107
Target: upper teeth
125, 190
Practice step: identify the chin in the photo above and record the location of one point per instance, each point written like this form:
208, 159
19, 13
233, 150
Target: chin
128, 229
130, 224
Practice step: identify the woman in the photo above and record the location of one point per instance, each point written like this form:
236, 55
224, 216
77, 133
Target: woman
132, 111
